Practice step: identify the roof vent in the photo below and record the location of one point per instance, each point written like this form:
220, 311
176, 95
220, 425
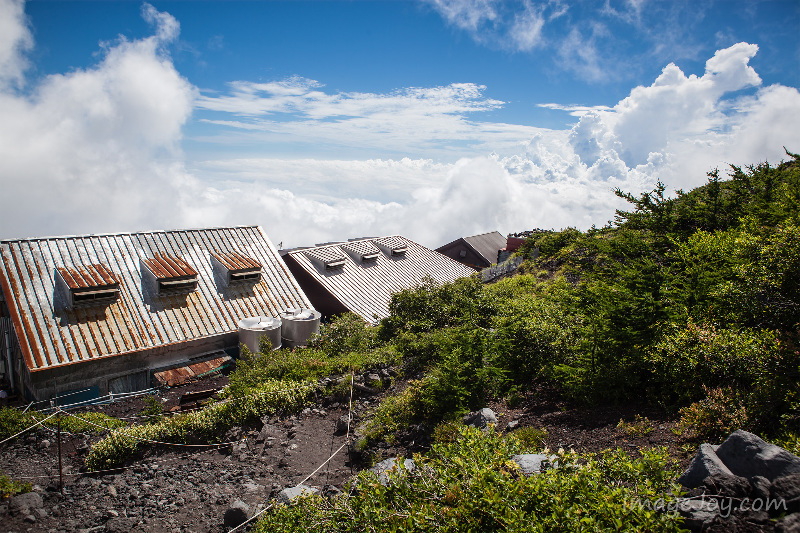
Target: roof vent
362, 251
393, 246
330, 258
236, 268
87, 286
168, 274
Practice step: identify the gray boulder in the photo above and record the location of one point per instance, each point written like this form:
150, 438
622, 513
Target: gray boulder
727, 485
236, 514
697, 513
269, 430
747, 455
481, 419
705, 463
287, 496
342, 423
387, 466
788, 524
787, 489
23, 504
533, 463
761, 487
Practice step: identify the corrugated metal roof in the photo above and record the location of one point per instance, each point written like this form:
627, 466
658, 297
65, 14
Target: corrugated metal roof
234, 261
178, 376
169, 267
487, 244
138, 320
361, 249
96, 276
367, 290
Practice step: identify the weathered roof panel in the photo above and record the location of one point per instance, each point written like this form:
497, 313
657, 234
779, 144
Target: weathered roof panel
138, 320
234, 261
367, 290
487, 244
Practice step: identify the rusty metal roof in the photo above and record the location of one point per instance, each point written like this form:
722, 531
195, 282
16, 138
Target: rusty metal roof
178, 376
89, 276
366, 289
235, 261
139, 320
169, 267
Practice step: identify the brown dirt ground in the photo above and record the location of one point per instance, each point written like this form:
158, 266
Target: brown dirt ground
313, 434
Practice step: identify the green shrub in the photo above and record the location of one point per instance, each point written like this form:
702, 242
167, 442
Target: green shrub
153, 409
345, 334
430, 306
203, 426
640, 427
688, 359
470, 484
530, 438
715, 417
12, 421
9, 487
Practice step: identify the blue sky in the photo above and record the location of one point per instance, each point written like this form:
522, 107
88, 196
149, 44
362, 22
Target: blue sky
327, 120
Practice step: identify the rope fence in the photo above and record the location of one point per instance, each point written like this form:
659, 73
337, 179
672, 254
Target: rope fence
60, 410
346, 442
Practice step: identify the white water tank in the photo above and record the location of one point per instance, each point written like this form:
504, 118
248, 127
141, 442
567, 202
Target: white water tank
298, 325
252, 329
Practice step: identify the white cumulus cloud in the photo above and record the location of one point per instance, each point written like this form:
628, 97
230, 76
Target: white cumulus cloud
97, 149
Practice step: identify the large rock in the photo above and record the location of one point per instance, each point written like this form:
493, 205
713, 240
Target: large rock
481, 419
387, 466
705, 463
24, 504
237, 514
533, 463
727, 485
788, 524
342, 423
697, 513
747, 455
787, 489
269, 430
287, 496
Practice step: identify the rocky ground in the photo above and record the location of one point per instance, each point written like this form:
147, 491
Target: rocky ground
189, 489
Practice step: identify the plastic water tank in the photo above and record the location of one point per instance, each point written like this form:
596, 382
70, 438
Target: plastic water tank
298, 326
252, 329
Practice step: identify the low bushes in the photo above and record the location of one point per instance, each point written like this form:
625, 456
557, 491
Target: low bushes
204, 426
468, 483
12, 421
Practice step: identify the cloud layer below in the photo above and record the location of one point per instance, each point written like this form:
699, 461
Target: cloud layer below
99, 149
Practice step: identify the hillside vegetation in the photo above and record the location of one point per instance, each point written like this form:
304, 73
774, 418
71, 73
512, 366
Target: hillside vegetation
689, 303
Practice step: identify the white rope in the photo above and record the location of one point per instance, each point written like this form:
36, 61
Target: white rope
28, 429
346, 442
216, 445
